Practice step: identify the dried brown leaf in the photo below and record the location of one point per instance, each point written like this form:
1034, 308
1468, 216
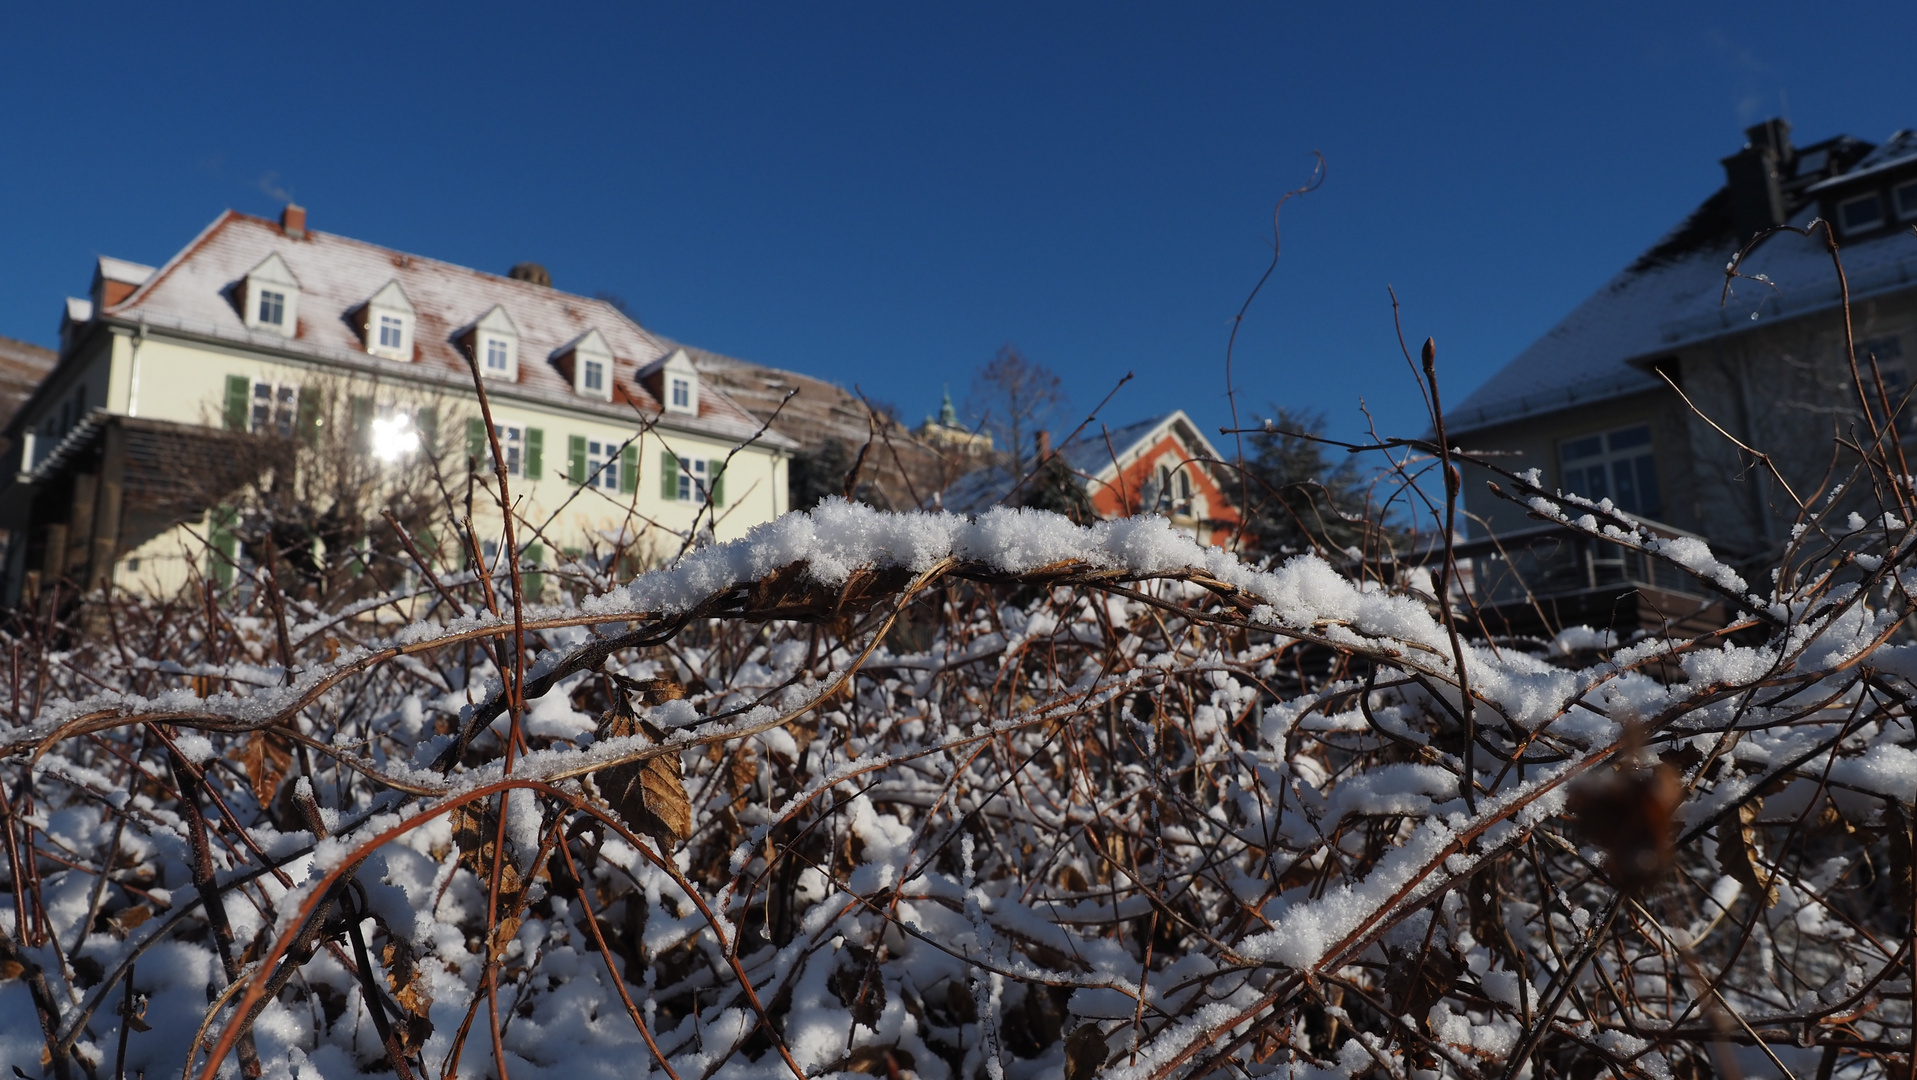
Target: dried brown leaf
412, 990
1738, 855
266, 759
1085, 1052
650, 795
1630, 813
475, 834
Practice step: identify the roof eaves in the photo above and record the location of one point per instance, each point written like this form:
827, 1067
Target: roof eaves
362, 362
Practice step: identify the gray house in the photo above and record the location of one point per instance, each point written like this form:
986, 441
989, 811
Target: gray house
1761, 354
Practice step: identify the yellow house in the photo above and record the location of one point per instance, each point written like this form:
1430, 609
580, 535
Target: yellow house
263, 341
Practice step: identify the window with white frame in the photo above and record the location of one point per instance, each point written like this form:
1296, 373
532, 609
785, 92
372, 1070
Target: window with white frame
1861, 214
272, 308
594, 377
512, 442
681, 393
692, 480
499, 357
276, 409
602, 465
1906, 199
392, 332
1616, 465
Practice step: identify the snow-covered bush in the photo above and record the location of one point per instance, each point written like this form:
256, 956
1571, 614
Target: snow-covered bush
920, 795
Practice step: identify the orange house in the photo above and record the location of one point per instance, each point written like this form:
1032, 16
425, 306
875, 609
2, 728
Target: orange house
1163, 465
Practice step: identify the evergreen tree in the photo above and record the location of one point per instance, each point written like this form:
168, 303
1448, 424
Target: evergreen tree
1298, 498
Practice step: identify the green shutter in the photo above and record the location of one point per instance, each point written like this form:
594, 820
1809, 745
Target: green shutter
717, 471
629, 470
533, 583
239, 393
225, 545
363, 424
426, 422
309, 421
476, 441
668, 476
576, 459
535, 452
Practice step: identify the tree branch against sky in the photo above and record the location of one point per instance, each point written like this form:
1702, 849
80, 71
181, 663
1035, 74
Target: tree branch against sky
1014, 397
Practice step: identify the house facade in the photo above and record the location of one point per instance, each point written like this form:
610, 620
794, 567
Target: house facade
263, 332
1760, 353
1162, 465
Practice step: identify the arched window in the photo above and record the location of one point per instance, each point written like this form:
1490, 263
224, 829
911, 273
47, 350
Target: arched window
1164, 488
1184, 486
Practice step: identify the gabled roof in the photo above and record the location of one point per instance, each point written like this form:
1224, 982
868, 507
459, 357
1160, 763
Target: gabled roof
1094, 456
391, 297
336, 274
1674, 295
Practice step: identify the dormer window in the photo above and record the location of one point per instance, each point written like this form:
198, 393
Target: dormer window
269, 298
1861, 214
386, 323
586, 362
1906, 199
494, 342
676, 383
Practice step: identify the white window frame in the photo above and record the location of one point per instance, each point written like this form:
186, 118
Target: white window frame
275, 299
694, 480
1843, 216
1897, 199
602, 464
496, 345
593, 376
512, 443
275, 412
681, 393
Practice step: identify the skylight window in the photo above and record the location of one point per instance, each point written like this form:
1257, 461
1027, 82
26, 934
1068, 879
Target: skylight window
1861, 214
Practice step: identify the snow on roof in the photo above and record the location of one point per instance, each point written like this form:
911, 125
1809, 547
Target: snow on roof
194, 294
123, 271
1897, 150
1674, 296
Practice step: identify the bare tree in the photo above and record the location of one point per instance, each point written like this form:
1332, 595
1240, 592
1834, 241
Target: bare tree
1015, 396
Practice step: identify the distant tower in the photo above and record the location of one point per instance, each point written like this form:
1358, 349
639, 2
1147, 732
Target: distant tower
947, 433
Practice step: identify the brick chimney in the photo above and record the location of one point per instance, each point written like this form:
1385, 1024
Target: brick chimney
1044, 446
1754, 178
293, 221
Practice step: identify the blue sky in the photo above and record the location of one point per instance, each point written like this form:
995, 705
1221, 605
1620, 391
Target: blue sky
883, 195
